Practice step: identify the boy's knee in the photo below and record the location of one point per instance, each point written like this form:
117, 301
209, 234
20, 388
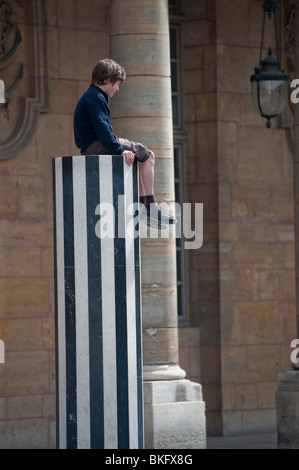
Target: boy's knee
152, 157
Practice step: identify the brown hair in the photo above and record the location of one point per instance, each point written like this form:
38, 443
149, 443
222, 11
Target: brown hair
107, 69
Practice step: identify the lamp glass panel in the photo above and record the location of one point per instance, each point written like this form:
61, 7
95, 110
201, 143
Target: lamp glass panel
272, 96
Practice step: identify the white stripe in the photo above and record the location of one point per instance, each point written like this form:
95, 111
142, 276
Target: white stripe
81, 291
108, 312
60, 327
131, 316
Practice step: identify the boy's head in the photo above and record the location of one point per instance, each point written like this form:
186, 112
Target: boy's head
107, 70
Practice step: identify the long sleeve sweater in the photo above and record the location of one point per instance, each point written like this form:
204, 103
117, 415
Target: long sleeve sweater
92, 121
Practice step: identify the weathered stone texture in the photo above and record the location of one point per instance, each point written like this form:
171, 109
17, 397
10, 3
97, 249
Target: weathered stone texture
242, 280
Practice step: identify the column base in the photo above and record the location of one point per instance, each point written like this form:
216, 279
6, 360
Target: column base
163, 372
287, 406
174, 415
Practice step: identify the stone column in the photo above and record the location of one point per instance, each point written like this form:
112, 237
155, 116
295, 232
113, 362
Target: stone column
287, 395
296, 167
98, 315
287, 405
142, 112
139, 35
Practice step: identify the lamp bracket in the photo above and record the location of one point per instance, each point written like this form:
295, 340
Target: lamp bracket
269, 7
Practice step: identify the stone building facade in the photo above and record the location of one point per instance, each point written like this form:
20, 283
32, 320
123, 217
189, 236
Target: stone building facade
224, 314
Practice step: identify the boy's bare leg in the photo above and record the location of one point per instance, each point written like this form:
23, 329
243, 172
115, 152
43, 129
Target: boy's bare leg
155, 214
141, 188
146, 176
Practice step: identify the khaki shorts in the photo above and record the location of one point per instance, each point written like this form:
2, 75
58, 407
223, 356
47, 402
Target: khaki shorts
141, 151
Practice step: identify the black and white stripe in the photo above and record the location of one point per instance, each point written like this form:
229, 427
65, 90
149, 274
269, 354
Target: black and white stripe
98, 307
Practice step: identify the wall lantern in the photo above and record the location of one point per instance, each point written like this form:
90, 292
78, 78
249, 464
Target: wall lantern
269, 84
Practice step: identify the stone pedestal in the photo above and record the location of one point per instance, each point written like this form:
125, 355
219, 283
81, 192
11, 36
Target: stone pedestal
287, 405
175, 415
98, 305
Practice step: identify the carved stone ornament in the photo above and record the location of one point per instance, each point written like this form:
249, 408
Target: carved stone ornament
23, 72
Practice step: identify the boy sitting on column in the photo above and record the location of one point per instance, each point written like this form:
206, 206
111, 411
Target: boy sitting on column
94, 135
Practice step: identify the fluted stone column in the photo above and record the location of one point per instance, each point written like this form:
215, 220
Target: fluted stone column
139, 34
142, 112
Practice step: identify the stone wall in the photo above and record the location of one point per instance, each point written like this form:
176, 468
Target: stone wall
242, 280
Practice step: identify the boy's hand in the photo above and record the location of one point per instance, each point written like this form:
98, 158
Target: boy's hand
129, 156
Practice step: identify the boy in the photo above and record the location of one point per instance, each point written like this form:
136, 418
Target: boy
94, 135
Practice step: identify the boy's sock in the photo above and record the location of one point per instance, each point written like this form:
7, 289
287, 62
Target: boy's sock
147, 200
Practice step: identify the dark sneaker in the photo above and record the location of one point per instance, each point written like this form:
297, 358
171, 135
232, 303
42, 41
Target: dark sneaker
157, 217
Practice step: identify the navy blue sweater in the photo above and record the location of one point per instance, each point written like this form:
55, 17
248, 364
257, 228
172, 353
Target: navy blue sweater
92, 121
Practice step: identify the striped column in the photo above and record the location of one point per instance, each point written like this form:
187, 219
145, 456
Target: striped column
98, 308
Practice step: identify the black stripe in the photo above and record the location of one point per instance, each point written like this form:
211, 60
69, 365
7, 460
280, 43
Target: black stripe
70, 313
138, 317
95, 306
55, 300
120, 312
